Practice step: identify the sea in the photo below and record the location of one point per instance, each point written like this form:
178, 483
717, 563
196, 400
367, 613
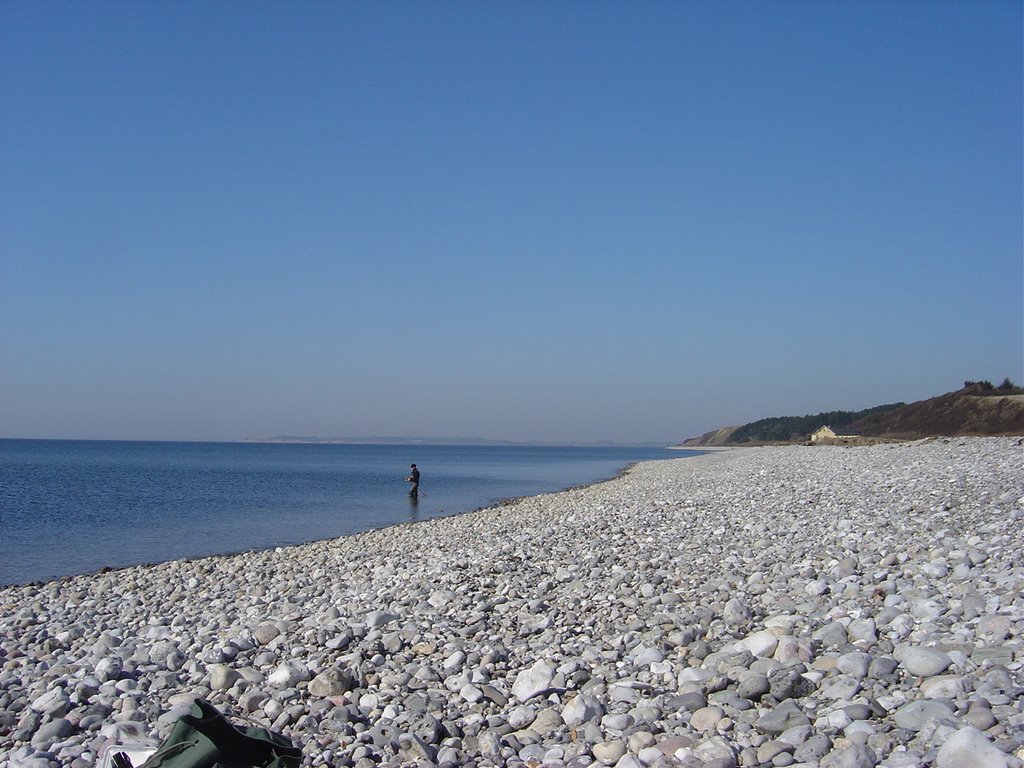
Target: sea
73, 507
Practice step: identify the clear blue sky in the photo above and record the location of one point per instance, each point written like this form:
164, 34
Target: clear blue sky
565, 221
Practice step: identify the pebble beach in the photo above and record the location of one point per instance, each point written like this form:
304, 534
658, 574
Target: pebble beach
817, 607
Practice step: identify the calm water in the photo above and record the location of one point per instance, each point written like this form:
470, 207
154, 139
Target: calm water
69, 507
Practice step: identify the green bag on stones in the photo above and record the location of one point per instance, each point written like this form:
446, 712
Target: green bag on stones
206, 739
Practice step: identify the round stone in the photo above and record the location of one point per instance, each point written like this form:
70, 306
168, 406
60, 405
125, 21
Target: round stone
969, 748
923, 661
608, 752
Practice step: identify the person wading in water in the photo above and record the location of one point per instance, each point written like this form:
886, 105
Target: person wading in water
414, 478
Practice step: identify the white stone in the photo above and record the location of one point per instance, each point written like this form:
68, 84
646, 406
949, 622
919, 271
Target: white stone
816, 588
969, 748
109, 668
790, 651
533, 681
715, 748
706, 718
471, 693
54, 703
737, 612
647, 656
922, 661
650, 755
608, 752
222, 677
855, 664
762, 644
377, 619
520, 717
863, 632
628, 761
580, 709
288, 675
942, 687
838, 720
272, 708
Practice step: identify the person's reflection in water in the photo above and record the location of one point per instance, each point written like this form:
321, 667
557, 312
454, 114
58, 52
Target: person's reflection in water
414, 507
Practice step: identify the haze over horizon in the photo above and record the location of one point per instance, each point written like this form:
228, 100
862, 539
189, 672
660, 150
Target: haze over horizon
571, 222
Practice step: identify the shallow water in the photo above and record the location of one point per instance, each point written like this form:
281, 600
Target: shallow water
69, 507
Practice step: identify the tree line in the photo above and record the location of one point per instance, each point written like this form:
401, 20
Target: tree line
987, 388
787, 428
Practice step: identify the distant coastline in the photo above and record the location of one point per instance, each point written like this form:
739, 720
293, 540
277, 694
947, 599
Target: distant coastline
407, 440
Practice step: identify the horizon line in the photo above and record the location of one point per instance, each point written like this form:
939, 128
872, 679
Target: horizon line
366, 440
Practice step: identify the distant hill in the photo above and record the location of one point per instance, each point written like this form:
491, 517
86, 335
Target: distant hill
978, 409
713, 438
797, 428
973, 410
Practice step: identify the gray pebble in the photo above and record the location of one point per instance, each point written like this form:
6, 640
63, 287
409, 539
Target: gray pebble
856, 756
922, 661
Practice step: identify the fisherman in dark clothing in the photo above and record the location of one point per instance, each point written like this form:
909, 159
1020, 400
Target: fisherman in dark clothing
414, 478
